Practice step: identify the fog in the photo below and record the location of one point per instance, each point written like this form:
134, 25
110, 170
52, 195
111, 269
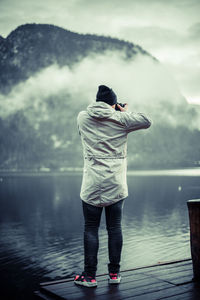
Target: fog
142, 82
39, 115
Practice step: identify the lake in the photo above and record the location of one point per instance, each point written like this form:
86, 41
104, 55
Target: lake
41, 226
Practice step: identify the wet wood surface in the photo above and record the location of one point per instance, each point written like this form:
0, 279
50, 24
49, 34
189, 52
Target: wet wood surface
171, 280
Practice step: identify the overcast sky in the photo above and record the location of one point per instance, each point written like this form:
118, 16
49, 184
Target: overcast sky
168, 29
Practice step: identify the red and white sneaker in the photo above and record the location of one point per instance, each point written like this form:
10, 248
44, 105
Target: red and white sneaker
85, 280
114, 278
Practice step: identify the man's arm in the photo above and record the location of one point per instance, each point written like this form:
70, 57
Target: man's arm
133, 121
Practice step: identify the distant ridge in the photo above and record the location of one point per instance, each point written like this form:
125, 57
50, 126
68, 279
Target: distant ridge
31, 47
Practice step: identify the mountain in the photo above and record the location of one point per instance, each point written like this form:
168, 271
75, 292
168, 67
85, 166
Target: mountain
32, 47
47, 77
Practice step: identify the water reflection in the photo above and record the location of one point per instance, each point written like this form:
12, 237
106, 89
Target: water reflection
41, 226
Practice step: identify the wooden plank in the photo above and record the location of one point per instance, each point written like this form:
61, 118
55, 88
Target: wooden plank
183, 265
151, 293
56, 281
192, 293
161, 294
125, 284
177, 275
173, 273
167, 263
39, 295
104, 288
102, 282
113, 292
176, 279
163, 281
186, 296
166, 268
189, 291
162, 271
126, 277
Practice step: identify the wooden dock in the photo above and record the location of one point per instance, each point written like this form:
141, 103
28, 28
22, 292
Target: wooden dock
169, 280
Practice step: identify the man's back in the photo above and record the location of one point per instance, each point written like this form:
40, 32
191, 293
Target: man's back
102, 132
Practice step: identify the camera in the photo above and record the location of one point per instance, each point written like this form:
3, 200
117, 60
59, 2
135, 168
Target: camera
121, 104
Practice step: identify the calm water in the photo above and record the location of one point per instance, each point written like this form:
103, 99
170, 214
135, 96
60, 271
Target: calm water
41, 227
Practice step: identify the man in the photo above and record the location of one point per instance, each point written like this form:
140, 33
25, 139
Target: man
104, 132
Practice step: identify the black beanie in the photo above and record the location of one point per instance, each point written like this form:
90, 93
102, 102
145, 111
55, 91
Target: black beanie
106, 94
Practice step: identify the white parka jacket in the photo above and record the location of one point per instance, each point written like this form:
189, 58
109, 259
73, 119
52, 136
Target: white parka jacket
104, 133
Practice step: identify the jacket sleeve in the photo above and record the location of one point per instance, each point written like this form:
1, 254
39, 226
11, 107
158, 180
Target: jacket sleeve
135, 121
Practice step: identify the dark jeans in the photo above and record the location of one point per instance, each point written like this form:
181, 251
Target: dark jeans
92, 216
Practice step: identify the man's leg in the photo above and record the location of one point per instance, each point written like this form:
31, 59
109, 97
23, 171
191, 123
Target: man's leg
92, 216
113, 224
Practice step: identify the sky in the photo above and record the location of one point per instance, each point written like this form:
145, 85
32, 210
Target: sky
169, 30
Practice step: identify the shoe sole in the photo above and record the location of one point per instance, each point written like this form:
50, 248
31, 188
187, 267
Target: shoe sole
114, 281
86, 284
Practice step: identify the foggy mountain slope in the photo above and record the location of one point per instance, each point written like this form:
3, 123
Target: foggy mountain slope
49, 74
32, 47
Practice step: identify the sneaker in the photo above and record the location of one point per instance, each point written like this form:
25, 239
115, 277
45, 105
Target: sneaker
114, 278
85, 280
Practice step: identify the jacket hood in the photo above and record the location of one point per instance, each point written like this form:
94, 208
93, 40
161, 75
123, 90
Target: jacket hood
100, 110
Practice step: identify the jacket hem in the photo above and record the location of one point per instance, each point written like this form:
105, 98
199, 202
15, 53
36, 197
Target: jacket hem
103, 204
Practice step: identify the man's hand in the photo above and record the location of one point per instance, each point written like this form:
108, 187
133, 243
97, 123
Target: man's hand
125, 108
